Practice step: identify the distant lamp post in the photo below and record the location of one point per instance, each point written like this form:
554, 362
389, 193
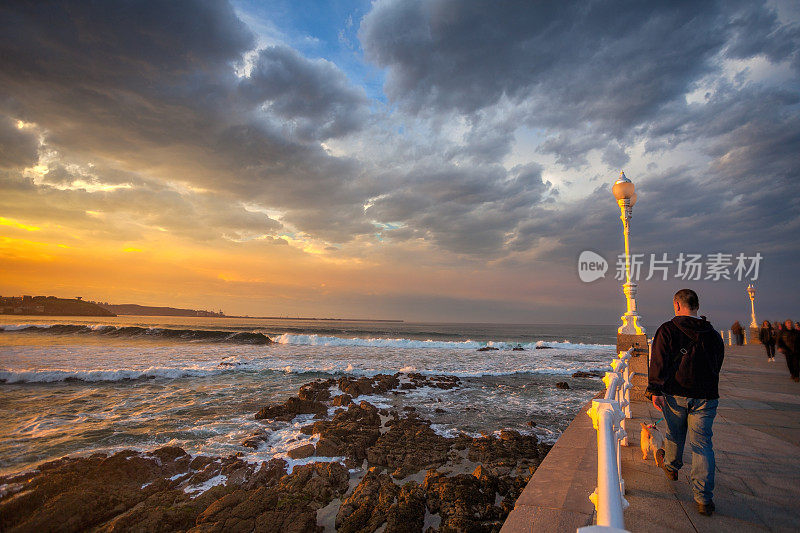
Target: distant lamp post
751, 292
625, 194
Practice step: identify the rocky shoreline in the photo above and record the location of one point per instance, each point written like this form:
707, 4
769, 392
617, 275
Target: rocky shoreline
373, 469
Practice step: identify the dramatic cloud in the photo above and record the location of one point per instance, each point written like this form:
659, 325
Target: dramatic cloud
314, 96
491, 148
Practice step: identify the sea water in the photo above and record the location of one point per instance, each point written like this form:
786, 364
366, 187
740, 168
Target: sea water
74, 386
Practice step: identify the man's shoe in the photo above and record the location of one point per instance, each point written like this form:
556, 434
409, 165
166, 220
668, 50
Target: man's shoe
671, 474
705, 509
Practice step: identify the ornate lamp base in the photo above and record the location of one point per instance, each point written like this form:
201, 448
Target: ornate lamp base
638, 363
630, 324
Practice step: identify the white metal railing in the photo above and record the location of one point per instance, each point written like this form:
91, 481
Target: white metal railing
607, 416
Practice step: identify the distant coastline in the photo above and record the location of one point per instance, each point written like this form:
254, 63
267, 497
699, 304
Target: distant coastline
53, 306
149, 310
315, 318
50, 306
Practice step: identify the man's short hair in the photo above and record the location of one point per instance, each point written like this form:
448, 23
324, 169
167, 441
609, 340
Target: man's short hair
688, 298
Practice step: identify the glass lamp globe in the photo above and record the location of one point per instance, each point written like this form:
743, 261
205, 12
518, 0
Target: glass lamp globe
623, 188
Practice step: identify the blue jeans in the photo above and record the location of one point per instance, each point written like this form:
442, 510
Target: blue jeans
697, 416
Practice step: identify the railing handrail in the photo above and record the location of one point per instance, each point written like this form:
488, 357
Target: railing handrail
607, 416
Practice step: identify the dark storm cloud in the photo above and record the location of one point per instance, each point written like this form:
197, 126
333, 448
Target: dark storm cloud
316, 93
605, 66
152, 86
601, 76
610, 61
466, 210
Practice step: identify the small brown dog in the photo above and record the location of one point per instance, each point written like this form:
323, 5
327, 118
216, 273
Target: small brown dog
651, 440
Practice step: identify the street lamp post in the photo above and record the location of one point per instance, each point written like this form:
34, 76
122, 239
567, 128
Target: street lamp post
631, 333
751, 292
625, 194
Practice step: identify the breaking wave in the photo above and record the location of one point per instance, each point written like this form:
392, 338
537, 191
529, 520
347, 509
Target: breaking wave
319, 340
198, 335
54, 375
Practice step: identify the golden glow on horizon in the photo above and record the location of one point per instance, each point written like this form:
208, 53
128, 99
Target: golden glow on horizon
111, 257
14, 224
26, 249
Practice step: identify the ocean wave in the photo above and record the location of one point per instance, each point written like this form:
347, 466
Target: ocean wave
125, 374
197, 335
373, 342
11, 376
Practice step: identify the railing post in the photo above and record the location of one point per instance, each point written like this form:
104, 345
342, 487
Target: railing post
607, 498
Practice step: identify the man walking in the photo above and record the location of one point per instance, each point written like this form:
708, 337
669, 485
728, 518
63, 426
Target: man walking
683, 382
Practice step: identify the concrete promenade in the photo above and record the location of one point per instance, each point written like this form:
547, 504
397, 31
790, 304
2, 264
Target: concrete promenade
757, 446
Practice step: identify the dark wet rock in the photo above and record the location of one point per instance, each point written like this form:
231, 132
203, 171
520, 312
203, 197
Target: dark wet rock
352, 430
518, 348
562, 385
464, 502
290, 505
329, 448
342, 400
301, 452
487, 349
84, 493
445, 382
410, 445
407, 514
509, 451
317, 391
256, 439
167, 490
269, 473
368, 506
376, 500
291, 408
582, 374
378, 384
543, 347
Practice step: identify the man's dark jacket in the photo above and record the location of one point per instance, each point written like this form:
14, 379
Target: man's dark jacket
686, 359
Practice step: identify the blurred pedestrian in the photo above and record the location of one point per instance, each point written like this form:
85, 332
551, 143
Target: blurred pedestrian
767, 337
738, 333
789, 345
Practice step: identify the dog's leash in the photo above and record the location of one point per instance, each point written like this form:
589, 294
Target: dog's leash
657, 421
